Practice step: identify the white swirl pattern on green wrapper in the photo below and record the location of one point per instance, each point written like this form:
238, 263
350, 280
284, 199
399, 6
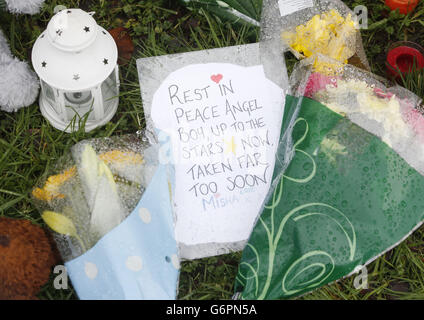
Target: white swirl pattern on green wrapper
273, 239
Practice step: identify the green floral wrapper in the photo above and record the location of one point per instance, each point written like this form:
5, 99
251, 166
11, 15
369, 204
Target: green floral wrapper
347, 186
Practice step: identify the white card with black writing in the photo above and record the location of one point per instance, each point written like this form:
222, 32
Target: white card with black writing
224, 122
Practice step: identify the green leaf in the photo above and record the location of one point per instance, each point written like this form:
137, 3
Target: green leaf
104, 170
247, 7
378, 24
59, 223
247, 11
89, 168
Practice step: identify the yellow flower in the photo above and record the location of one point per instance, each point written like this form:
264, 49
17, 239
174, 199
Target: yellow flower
327, 67
116, 156
329, 34
50, 190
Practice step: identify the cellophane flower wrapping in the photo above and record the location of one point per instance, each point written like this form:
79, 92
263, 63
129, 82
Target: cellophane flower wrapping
108, 204
310, 27
347, 186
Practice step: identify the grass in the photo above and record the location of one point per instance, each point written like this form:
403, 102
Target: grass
29, 145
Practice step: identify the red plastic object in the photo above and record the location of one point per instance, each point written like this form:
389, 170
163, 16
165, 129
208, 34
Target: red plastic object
404, 6
404, 57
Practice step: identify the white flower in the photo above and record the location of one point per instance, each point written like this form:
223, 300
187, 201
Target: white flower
107, 211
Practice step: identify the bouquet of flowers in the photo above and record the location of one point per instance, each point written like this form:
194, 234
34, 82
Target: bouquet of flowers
307, 28
106, 202
347, 184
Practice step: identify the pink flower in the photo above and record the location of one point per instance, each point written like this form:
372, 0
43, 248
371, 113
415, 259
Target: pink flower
413, 117
318, 82
379, 92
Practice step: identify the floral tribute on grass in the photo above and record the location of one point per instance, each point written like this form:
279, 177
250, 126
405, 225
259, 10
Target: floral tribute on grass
108, 205
347, 184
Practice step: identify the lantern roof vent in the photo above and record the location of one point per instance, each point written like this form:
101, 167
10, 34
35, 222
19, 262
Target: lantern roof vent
74, 53
72, 30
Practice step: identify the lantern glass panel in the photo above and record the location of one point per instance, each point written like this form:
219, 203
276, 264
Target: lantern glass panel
109, 88
48, 91
78, 99
50, 95
79, 103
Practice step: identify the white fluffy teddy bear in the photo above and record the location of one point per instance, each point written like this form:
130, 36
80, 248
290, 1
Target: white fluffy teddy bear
18, 83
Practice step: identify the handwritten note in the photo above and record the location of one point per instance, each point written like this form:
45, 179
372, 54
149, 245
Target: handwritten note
224, 122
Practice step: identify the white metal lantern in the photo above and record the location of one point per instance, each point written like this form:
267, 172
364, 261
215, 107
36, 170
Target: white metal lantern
76, 61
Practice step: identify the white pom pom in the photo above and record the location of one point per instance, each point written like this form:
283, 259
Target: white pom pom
18, 86
5, 54
24, 6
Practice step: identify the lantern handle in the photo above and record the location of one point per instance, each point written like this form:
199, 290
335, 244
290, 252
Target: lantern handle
58, 8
